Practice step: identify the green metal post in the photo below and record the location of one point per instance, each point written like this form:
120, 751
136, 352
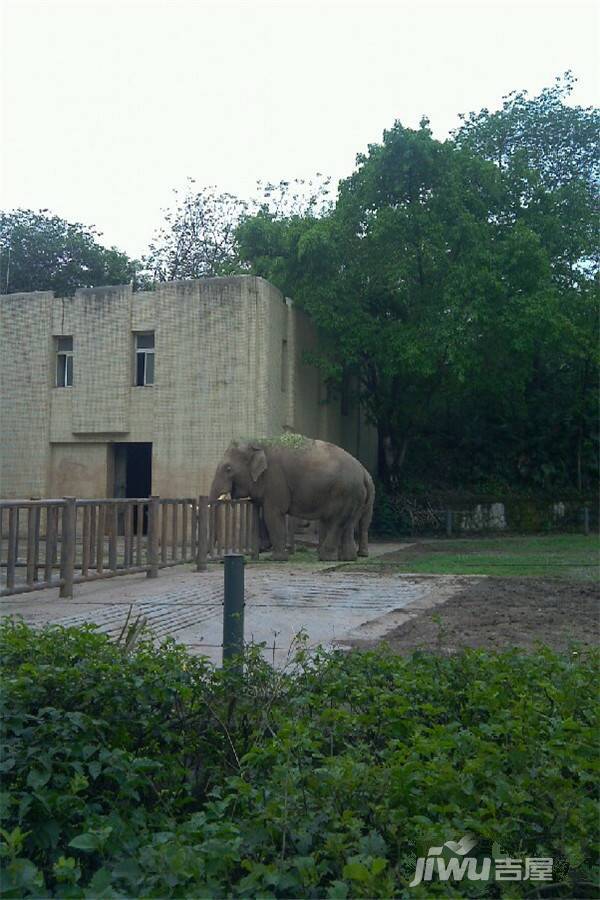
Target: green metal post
233, 611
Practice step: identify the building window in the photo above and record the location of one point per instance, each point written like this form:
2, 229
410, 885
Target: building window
64, 361
144, 359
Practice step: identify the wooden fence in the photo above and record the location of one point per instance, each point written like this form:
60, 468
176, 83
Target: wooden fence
63, 542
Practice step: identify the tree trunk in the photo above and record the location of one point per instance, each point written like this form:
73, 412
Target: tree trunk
383, 472
391, 454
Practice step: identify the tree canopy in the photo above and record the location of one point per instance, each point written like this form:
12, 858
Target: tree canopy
198, 237
455, 283
42, 252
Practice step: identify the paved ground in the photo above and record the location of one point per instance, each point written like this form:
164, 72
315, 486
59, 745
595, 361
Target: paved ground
333, 607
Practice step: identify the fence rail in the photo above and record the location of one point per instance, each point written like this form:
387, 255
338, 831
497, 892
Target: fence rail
491, 517
58, 543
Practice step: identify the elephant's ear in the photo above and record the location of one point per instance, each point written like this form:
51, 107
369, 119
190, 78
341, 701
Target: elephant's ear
258, 463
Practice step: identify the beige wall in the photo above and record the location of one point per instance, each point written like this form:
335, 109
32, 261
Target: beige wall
25, 373
218, 375
210, 340
103, 349
78, 470
313, 415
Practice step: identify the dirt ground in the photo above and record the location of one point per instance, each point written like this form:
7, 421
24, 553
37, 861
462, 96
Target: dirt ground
498, 613
349, 605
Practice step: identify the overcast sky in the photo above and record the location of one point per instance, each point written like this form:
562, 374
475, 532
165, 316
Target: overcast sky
106, 107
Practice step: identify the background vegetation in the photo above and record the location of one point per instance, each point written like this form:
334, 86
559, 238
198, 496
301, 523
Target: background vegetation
570, 556
148, 773
454, 283
456, 286
42, 252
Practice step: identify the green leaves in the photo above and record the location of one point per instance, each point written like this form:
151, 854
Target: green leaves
37, 778
85, 842
343, 773
453, 288
42, 252
197, 239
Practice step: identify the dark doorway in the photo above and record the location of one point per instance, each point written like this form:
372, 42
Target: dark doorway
133, 474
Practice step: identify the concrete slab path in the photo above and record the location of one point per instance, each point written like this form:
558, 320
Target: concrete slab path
333, 607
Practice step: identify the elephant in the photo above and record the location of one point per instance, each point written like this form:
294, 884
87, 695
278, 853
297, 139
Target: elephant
306, 478
366, 515
361, 530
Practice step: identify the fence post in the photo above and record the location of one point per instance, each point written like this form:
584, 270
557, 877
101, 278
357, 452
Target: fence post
202, 535
113, 537
255, 532
586, 520
233, 607
67, 550
33, 535
13, 544
153, 513
449, 522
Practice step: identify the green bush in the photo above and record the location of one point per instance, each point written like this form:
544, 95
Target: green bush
388, 520
149, 773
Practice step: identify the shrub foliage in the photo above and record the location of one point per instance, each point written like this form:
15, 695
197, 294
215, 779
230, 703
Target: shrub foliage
149, 773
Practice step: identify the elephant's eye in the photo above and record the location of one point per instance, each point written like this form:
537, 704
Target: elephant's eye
228, 468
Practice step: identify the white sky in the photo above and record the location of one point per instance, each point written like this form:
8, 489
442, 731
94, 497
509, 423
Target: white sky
108, 106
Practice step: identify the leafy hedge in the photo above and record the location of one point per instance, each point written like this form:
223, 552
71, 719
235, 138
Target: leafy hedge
149, 773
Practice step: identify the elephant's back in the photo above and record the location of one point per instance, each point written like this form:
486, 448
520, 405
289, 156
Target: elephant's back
338, 459
326, 466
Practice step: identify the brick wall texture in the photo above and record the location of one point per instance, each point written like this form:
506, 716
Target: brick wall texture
222, 370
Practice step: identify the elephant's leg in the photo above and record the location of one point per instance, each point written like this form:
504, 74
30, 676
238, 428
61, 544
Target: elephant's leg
347, 548
363, 536
275, 522
365, 518
264, 537
329, 539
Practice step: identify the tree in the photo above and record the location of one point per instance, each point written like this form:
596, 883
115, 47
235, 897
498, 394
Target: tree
395, 277
298, 197
197, 239
198, 236
441, 281
548, 155
42, 252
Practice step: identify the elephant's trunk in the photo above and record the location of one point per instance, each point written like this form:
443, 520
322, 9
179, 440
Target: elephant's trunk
219, 490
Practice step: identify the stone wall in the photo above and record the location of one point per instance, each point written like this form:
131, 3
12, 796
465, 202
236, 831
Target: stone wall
79, 470
219, 374
26, 373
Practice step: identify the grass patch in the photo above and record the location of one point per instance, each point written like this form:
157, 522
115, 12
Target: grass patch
549, 556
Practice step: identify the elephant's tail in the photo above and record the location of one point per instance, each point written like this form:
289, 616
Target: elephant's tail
366, 516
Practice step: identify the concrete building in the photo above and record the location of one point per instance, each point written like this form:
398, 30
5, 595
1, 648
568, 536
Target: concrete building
115, 393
